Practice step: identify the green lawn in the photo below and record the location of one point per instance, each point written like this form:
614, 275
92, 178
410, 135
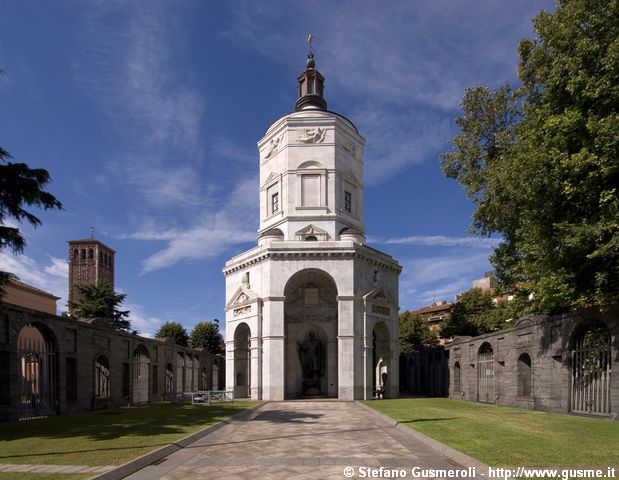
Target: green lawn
43, 476
501, 436
110, 437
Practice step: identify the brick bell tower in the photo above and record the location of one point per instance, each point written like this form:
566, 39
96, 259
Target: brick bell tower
90, 262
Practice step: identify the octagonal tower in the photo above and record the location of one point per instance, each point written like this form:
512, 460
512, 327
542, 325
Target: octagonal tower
311, 311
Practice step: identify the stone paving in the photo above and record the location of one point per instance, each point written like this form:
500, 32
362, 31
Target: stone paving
298, 440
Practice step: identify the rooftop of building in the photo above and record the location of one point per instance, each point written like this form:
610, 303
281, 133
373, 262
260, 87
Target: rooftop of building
24, 286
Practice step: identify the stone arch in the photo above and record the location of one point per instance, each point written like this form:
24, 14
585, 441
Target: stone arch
242, 361
591, 366
311, 164
457, 371
381, 354
141, 375
102, 377
485, 373
38, 371
524, 375
310, 330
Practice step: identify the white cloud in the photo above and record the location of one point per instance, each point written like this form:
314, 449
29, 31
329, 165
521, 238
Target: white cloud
438, 241
129, 66
52, 278
145, 324
210, 234
441, 277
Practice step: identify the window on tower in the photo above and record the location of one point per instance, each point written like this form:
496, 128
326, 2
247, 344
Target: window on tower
91, 254
348, 202
274, 203
83, 254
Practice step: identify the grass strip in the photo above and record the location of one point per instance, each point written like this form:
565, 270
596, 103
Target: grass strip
43, 476
509, 437
109, 437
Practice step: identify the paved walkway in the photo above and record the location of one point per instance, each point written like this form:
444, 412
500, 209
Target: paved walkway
298, 440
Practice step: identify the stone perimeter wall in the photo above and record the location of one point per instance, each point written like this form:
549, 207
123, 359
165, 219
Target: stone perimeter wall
81, 342
549, 341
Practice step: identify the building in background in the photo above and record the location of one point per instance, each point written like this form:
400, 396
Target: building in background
24, 295
487, 282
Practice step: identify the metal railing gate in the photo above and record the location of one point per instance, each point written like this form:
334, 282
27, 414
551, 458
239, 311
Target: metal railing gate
37, 379
485, 375
591, 378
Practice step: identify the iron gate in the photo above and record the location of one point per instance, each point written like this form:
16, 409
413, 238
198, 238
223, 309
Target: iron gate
37, 377
141, 377
485, 376
591, 374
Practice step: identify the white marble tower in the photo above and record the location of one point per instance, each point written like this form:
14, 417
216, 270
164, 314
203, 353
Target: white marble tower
311, 310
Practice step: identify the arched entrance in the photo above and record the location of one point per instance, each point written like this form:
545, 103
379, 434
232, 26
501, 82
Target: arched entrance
380, 357
591, 359
38, 372
242, 372
485, 373
310, 315
141, 375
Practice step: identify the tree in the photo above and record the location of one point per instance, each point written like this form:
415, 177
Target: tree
206, 335
20, 186
540, 162
475, 313
174, 331
101, 301
415, 333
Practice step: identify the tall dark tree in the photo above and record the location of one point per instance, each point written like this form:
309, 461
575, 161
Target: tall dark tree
541, 162
101, 301
20, 186
175, 332
415, 333
206, 335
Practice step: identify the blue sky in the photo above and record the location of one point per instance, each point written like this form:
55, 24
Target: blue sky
147, 114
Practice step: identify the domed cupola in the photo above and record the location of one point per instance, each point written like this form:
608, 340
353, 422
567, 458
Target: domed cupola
311, 84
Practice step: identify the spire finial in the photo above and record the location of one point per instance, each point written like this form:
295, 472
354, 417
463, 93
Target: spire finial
92, 232
310, 53
311, 82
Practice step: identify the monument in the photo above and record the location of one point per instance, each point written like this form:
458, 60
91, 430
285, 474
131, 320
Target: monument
311, 310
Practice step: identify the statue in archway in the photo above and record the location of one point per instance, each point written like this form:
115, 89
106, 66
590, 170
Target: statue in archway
311, 355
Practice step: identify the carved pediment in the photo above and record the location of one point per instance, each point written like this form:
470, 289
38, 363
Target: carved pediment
312, 231
243, 296
379, 296
272, 178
